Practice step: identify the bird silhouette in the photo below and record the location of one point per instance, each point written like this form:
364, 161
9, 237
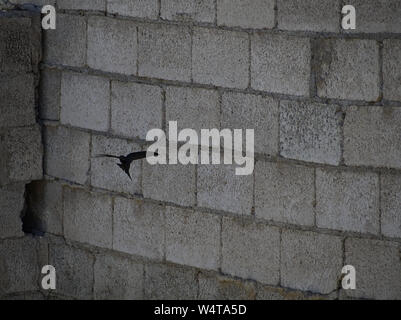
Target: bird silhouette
125, 161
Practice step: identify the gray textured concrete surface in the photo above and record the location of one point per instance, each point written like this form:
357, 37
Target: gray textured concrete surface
251, 251
392, 70
246, 13
139, 228
192, 238
167, 282
188, 10
310, 261
379, 267
134, 8
112, 45
66, 153
85, 101
15, 47
308, 15
170, 183
11, 205
20, 271
371, 137
347, 201
347, 69
284, 193
74, 269
378, 16
117, 278
310, 132
324, 103
82, 5
213, 287
88, 217
280, 64
17, 99
135, 103
220, 58
164, 52
219, 188
50, 91
245, 111
390, 205
21, 151
192, 108
67, 44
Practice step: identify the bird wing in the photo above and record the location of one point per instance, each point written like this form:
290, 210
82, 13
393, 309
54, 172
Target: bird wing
136, 155
106, 156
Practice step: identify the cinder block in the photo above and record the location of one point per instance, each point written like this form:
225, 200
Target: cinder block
216, 287
311, 132
392, 69
50, 92
250, 250
35, 295
88, 217
188, 10
371, 137
104, 171
85, 101
377, 16
67, 44
170, 182
193, 108
309, 15
74, 268
246, 111
17, 98
164, 52
391, 205
280, 64
347, 69
277, 293
67, 154
138, 228
112, 45
378, 268
36, 2
347, 201
22, 152
169, 282
45, 203
18, 265
15, 44
117, 278
135, 109
99, 5
284, 193
246, 13
219, 188
134, 8
60, 297
220, 58
192, 238
310, 261
12, 202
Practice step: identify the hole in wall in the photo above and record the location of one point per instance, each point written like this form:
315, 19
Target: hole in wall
31, 222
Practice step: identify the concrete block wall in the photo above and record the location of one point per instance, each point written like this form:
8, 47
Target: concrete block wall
324, 103
21, 152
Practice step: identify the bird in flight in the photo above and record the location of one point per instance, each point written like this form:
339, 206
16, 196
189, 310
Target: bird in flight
125, 161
